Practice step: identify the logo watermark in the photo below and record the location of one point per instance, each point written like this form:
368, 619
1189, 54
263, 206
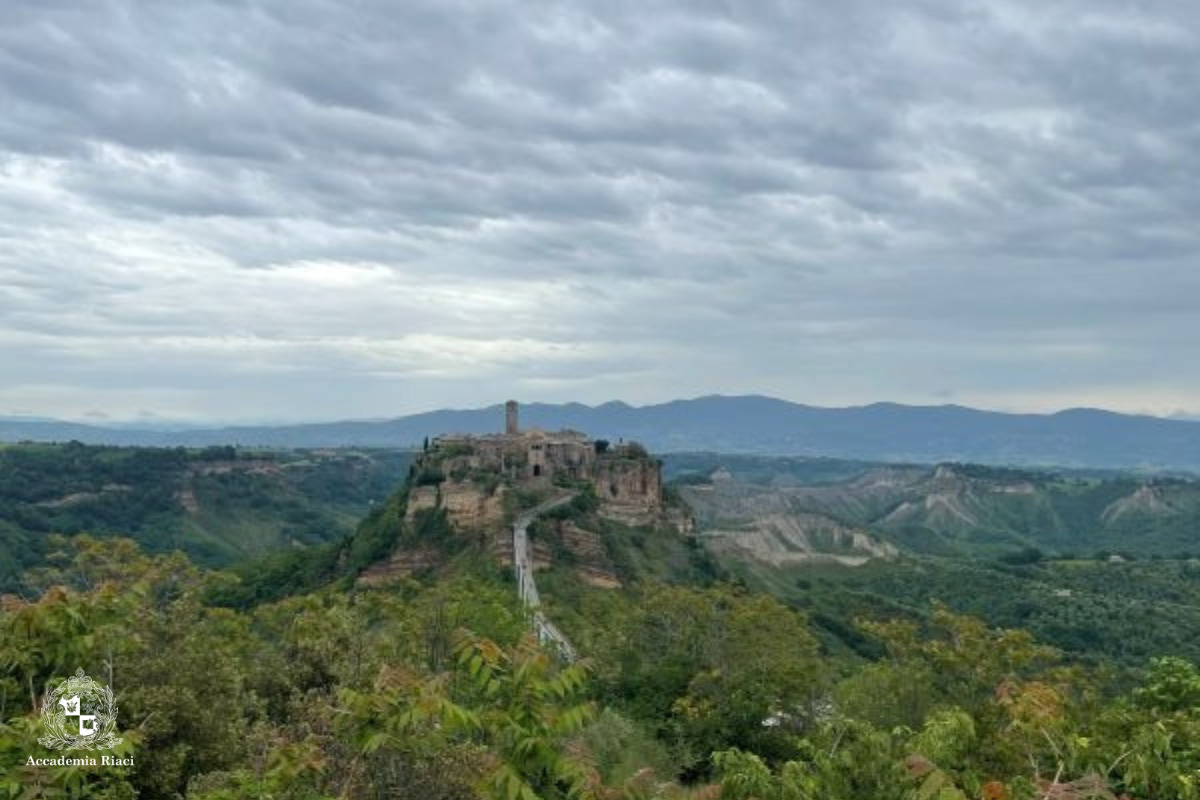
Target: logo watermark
80, 715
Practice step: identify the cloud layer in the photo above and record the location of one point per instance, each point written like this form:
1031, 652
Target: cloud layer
228, 209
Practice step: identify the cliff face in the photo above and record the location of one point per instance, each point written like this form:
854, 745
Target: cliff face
471, 508
630, 490
400, 564
765, 525
420, 499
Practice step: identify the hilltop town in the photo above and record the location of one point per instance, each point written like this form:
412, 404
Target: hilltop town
626, 480
481, 481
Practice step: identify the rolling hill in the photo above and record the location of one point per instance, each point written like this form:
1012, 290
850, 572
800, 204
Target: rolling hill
218, 505
795, 510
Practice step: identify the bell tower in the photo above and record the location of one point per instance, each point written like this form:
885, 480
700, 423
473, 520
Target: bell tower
510, 418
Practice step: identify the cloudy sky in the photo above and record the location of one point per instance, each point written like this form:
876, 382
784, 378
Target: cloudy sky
321, 209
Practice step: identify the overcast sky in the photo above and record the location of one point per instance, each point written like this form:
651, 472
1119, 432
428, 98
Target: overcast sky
304, 209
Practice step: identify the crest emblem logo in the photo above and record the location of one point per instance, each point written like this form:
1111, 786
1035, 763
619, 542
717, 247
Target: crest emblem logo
80, 715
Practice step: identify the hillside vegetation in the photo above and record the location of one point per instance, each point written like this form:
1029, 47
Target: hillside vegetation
431, 688
708, 671
1102, 565
218, 505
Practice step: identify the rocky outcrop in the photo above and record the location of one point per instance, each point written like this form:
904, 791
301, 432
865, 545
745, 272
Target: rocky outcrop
949, 509
400, 565
630, 490
420, 499
771, 526
502, 547
469, 507
1146, 500
779, 539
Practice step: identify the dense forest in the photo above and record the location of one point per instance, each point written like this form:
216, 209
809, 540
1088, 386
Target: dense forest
1098, 611
290, 676
434, 689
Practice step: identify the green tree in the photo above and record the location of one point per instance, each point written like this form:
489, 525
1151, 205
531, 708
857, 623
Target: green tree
514, 702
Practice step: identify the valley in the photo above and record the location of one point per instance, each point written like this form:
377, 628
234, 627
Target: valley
218, 505
860, 509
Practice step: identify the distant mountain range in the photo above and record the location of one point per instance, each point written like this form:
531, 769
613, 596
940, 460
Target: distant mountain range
1086, 438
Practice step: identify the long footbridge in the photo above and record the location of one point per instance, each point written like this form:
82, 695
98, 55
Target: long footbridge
547, 632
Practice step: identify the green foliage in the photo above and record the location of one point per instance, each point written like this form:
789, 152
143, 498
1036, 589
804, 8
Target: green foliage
372, 694
1171, 685
708, 667
842, 759
584, 504
1027, 555
277, 575
888, 694
1093, 611
947, 737
218, 505
306, 685
621, 751
512, 700
377, 534
281, 574
219, 703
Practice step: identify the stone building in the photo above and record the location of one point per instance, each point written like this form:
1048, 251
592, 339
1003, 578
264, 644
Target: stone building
627, 481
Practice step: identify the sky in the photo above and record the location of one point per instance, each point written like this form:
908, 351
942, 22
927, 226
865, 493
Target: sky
239, 210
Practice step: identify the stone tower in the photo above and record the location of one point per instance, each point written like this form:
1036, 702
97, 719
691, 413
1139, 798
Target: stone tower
510, 418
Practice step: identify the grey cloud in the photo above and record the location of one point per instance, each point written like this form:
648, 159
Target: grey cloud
606, 198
